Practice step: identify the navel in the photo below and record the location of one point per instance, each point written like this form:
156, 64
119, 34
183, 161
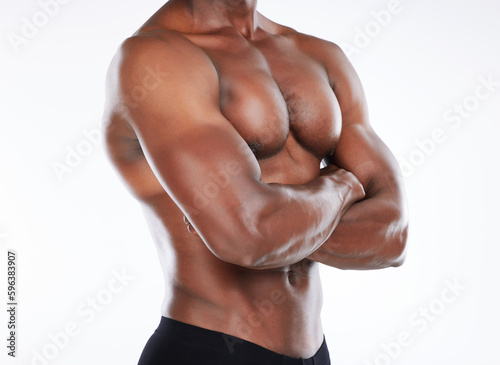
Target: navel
292, 278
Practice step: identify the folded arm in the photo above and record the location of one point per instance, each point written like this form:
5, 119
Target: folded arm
372, 234
208, 169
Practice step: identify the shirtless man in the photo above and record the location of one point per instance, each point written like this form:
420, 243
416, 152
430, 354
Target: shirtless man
219, 119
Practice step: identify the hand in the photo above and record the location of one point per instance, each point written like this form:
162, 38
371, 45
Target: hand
340, 175
190, 227
328, 168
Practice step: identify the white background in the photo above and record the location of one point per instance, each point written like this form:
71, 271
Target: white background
72, 235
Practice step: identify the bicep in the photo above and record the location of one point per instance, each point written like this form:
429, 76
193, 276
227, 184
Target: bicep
196, 154
360, 150
363, 153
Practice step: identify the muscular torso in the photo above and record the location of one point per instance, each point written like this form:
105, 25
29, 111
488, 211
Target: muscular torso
279, 98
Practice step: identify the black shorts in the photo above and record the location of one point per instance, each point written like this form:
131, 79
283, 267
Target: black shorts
177, 343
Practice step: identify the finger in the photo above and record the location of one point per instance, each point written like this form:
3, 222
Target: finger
190, 228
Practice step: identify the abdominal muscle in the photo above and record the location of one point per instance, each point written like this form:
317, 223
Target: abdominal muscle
278, 309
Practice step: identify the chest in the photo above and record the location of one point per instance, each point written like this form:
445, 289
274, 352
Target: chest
271, 91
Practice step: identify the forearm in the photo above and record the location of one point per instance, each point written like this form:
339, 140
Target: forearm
371, 235
278, 225
295, 221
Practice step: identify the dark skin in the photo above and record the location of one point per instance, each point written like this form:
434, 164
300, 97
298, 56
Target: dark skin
218, 120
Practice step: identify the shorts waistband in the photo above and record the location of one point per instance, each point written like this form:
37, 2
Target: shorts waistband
236, 347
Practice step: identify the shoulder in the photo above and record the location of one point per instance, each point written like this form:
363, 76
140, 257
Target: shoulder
313, 45
328, 53
151, 74
162, 62
308, 43
161, 48
341, 74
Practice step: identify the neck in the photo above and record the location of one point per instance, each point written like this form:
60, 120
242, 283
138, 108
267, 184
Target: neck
239, 14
